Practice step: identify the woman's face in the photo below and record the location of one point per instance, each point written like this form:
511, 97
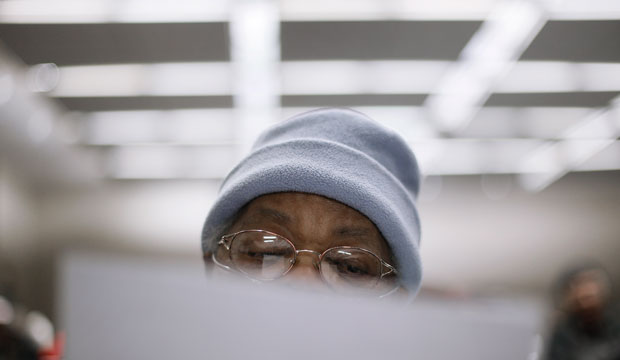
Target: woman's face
588, 293
310, 222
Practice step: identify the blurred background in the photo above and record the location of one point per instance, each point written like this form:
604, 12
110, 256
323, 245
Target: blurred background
120, 118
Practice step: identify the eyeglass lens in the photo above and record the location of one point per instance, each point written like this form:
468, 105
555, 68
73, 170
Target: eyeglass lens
350, 269
261, 256
265, 256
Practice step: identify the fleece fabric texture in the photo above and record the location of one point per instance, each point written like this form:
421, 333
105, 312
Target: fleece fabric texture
340, 154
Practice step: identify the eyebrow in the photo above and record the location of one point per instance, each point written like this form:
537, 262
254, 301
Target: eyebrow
367, 237
353, 231
363, 236
264, 212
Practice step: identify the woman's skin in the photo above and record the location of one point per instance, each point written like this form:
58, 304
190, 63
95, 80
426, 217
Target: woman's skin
587, 297
310, 222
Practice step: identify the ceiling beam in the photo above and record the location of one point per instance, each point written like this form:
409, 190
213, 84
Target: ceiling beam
488, 56
579, 143
436, 157
255, 56
306, 78
175, 11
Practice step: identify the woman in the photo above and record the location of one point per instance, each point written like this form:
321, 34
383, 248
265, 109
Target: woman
328, 196
588, 325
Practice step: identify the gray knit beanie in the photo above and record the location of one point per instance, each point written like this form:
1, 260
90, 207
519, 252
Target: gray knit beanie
340, 154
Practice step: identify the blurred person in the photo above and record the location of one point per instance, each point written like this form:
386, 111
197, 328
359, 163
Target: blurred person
588, 325
15, 342
16, 346
325, 199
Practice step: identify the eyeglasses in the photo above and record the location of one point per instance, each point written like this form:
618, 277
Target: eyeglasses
265, 256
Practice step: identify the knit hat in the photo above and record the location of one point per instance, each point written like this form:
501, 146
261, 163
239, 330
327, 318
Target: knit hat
340, 154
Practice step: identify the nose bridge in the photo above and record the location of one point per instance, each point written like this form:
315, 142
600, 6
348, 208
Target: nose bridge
317, 255
306, 267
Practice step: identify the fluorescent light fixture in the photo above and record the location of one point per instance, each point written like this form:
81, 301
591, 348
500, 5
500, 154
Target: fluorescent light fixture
162, 11
523, 122
167, 162
584, 10
216, 126
579, 143
255, 54
557, 76
346, 77
300, 78
436, 157
552, 161
420, 77
440, 10
165, 79
542, 76
599, 77
111, 11
471, 156
188, 126
361, 77
488, 56
606, 160
367, 10
212, 159
505, 156
309, 77
99, 11
297, 78
599, 125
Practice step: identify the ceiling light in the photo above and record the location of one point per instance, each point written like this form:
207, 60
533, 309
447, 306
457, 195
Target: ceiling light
110, 11
165, 79
255, 54
167, 162
179, 11
486, 58
578, 144
346, 77
188, 126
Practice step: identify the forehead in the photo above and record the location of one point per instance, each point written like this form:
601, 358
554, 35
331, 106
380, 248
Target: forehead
314, 221
294, 202
587, 277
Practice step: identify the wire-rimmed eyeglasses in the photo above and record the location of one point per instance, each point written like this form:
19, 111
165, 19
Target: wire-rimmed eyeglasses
265, 256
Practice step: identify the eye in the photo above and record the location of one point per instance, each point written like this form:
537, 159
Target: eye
349, 268
254, 254
271, 253
261, 254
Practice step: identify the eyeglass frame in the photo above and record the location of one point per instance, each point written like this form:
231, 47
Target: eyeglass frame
226, 241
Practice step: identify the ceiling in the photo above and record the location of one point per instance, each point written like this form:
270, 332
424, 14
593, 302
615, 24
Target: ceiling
519, 87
